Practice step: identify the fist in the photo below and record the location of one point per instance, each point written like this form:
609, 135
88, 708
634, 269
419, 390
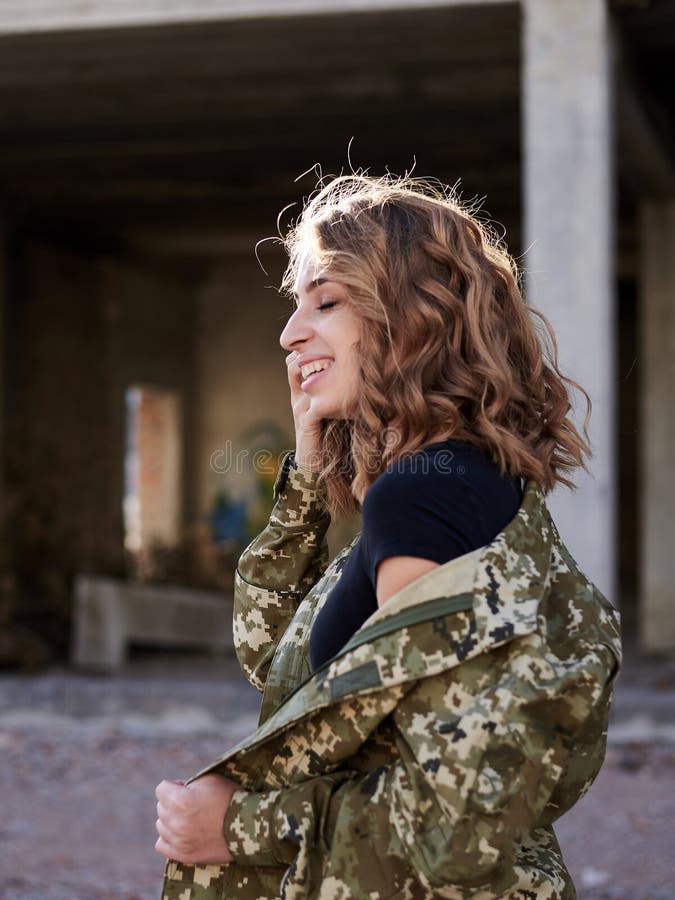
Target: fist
190, 819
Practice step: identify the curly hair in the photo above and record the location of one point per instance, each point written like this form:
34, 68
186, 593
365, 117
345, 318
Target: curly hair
447, 345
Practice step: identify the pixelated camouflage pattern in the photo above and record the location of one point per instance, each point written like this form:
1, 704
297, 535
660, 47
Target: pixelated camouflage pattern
278, 568
430, 757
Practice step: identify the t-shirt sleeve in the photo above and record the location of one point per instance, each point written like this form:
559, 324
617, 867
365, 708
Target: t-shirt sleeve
408, 513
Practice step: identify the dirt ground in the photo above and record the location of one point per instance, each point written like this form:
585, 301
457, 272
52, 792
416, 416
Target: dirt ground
77, 814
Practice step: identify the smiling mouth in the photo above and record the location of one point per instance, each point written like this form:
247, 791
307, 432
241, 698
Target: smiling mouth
317, 365
312, 378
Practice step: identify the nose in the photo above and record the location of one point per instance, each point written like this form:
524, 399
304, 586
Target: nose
296, 331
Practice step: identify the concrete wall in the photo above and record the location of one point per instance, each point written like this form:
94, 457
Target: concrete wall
241, 374
657, 426
3, 292
628, 473
81, 328
59, 448
241, 377
149, 327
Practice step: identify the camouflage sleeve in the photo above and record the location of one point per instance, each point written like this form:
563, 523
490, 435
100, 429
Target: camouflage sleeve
450, 811
278, 567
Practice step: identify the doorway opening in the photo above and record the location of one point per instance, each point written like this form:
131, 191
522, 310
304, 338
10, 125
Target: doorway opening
152, 472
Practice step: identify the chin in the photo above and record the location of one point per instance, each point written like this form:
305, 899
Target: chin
327, 412
325, 409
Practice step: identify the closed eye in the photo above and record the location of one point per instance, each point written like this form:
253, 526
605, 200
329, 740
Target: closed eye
327, 305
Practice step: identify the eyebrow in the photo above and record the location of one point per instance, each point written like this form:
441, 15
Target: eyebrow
311, 285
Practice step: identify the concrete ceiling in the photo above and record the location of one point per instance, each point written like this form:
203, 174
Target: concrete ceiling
174, 135
211, 123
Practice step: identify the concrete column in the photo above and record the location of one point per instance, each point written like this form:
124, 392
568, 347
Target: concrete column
657, 425
568, 211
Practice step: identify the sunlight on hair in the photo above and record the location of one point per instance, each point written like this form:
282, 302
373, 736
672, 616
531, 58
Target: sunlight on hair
448, 344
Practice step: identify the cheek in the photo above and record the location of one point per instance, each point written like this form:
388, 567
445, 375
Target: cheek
355, 364
353, 382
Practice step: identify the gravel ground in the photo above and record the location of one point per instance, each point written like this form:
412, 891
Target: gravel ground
80, 757
77, 819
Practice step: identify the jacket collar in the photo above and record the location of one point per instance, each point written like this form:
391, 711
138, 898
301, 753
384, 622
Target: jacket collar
514, 572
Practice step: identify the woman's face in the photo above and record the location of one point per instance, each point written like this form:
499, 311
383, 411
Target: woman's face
324, 331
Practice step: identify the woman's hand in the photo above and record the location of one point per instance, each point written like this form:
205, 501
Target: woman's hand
307, 426
190, 819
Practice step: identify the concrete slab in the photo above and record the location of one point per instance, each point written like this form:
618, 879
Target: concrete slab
109, 614
18, 17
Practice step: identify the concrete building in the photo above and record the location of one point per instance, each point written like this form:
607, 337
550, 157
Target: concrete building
147, 146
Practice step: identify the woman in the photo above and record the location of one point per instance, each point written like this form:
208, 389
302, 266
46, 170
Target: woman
437, 696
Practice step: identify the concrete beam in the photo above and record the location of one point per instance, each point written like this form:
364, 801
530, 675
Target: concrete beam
568, 186
657, 425
21, 16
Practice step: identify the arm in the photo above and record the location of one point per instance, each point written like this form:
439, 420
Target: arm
395, 572
278, 568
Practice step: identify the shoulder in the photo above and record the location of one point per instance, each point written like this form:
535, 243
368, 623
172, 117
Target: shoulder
394, 484
415, 481
451, 494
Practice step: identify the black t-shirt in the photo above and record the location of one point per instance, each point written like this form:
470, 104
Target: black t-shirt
447, 499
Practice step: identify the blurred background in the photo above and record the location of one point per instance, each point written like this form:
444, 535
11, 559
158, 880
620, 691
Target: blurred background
146, 148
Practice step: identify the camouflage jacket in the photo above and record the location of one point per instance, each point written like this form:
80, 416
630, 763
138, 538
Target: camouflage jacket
431, 755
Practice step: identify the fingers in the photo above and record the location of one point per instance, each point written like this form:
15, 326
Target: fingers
164, 843
167, 850
164, 829
291, 358
169, 792
189, 819
169, 844
163, 848
166, 832
294, 374
163, 790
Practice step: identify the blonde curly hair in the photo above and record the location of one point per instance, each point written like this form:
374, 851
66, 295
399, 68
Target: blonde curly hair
447, 344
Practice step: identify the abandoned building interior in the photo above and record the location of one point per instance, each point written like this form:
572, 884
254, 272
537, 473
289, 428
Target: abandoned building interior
147, 150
